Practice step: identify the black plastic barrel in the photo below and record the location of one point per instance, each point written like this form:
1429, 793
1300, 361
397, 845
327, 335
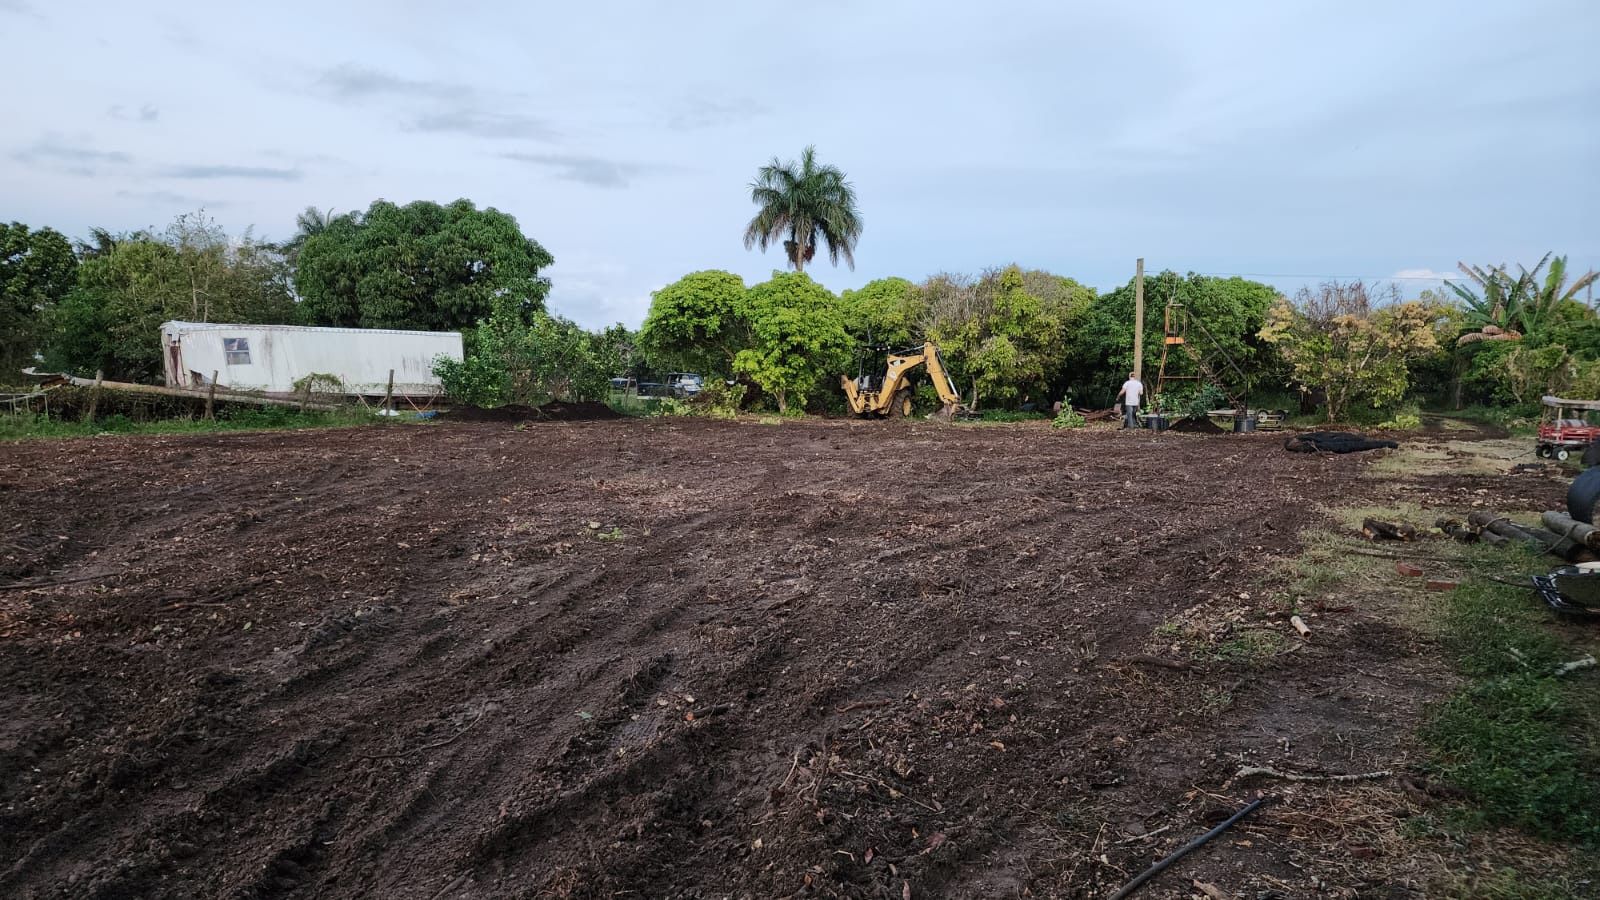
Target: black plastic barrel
1591, 455
1156, 422
1583, 493
1244, 424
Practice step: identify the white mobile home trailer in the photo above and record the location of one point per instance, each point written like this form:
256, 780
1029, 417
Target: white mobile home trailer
271, 358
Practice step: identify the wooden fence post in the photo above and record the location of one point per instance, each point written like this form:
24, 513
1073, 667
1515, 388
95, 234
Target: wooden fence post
388, 396
211, 396
305, 394
94, 395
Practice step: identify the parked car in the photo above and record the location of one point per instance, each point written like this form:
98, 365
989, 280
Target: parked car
685, 384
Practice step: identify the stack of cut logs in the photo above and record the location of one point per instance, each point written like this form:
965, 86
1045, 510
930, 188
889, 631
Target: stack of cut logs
1560, 535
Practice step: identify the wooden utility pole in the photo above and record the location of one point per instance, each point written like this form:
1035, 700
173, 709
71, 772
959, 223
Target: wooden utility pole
1138, 319
94, 395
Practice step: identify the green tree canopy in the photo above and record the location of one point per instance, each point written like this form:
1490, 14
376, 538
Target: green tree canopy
193, 271
700, 322
803, 203
1355, 348
1002, 339
1099, 351
886, 312
420, 266
37, 269
800, 337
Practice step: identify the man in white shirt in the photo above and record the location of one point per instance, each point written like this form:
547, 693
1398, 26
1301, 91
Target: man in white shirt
1130, 395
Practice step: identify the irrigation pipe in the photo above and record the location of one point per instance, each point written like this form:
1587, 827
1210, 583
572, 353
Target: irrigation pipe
1132, 886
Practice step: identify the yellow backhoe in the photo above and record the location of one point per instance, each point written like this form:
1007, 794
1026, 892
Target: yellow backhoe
890, 396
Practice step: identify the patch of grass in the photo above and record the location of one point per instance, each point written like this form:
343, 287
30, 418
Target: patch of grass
1410, 459
1509, 884
1324, 564
1525, 746
1522, 745
631, 406
1007, 415
1431, 457
25, 426
1404, 513
1216, 701
1249, 648
1169, 631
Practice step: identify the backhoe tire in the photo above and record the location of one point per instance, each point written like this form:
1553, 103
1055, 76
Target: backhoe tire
900, 406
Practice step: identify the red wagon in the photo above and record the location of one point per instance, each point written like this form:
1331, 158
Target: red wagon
1564, 427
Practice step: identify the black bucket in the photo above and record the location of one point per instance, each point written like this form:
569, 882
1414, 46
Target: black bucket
1156, 422
1244, 424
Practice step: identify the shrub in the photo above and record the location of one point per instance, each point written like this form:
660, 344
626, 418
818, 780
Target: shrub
1068, 417
1204, 400
717, 399
671, 406
1403, 421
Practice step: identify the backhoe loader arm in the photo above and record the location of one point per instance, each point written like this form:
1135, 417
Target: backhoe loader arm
942, 382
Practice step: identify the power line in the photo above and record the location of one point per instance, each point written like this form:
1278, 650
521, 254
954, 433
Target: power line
1344, 277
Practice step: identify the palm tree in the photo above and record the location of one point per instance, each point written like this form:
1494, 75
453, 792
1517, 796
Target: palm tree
309, 223
100, 243
1555, 291
1519, 305
1501, 301
801, 202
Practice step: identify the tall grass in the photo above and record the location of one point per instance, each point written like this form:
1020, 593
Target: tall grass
22, 426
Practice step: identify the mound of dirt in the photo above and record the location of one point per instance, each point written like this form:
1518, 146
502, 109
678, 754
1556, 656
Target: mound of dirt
554, 411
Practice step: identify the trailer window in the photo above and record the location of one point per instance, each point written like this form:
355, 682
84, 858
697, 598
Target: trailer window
236, 351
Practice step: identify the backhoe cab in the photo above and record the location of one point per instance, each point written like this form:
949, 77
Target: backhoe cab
889, 397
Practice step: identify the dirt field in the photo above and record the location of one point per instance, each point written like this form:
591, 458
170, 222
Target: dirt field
677, 658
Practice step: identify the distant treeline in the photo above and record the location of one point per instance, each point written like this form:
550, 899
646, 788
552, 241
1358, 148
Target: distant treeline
1010, 336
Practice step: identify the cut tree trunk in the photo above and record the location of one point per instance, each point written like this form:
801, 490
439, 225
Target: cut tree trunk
1570, 528
1376, 530
1548, 541
1457, 530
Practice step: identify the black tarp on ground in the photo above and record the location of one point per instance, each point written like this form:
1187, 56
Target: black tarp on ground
1333, 442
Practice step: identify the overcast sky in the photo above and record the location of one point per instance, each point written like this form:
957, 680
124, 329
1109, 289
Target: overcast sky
1272, 138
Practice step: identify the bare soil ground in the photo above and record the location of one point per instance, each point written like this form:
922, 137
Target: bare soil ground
679, 658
